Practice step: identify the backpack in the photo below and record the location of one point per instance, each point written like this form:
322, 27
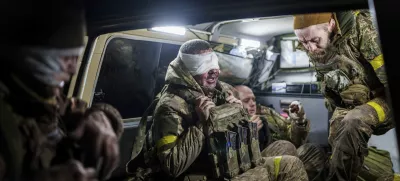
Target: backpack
377, 164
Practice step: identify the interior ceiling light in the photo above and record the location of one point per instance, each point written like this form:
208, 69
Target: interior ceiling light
177, 30
250, 20
250, 43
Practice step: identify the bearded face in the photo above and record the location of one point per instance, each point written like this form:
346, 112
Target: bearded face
316, 39
208, 81
325, 56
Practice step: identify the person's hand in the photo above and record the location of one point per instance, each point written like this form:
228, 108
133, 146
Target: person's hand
99, 142
71, 171
256, 119
296, 112
203, 106
232, 99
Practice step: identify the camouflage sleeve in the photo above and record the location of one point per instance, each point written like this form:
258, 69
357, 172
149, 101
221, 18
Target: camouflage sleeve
177, 148
226, 87
369, 44
298, 134
286, 129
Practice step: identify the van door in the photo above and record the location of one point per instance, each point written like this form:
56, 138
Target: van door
127, 75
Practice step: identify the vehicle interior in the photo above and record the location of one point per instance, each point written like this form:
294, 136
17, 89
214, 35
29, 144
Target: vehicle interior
130, 47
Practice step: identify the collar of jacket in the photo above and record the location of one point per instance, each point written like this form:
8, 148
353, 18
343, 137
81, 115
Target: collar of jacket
345, 22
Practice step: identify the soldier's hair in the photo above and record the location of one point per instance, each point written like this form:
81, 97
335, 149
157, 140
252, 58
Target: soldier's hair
194, 46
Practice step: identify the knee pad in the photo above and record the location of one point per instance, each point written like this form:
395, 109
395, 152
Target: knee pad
279, 148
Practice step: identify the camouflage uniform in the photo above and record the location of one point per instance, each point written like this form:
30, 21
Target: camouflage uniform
282, 129
353, 81
37, 127
180, 143
312, 156
34, 131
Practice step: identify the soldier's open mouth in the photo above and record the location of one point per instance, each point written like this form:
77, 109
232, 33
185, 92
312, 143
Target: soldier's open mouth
211, 80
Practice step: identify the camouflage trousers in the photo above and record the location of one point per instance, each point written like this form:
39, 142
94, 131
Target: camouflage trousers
311, 155
350, 130
280, 163
277, 168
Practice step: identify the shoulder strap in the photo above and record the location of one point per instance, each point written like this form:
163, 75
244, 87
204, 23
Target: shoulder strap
139, 138
141, 133
186, 94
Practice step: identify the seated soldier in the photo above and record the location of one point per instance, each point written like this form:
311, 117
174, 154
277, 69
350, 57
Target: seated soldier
183, 116
377, 165
294, 130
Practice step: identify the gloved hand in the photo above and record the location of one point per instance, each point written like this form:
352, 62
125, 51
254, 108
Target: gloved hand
232, 99
97, 131
72, 171
203, 106
99, 142
296, 112
256, 119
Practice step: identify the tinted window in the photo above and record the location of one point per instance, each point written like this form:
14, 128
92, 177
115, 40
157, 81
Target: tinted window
128, 75
168, 53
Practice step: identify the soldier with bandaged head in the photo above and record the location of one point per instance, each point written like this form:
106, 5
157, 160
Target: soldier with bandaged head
202, 132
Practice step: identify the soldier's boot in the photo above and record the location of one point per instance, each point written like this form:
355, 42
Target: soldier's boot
350, 144
279, 148
279, 168
314, 159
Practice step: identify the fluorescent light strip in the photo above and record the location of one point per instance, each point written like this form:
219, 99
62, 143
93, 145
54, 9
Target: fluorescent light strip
171, 29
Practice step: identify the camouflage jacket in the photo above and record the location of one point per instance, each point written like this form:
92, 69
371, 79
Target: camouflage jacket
360, 62
25, 122
180, 144
33, 132
281, 128
358, 39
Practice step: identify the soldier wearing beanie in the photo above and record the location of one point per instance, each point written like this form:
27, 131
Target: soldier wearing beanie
345, 49
44, 135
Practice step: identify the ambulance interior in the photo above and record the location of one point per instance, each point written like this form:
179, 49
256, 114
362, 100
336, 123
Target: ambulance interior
128, 70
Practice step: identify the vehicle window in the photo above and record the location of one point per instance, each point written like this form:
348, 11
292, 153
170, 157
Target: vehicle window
292, 57
128, 75
168, 53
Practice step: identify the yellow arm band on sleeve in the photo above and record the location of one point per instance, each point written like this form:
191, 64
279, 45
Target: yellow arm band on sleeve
377, 62
277, 165
289, 127
396, 177
166, 140
356, 12
379, 110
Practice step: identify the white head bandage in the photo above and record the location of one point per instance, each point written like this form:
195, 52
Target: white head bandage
44, 63
200, 63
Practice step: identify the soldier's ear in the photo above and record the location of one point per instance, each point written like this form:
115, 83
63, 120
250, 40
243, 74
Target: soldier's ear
331, 25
